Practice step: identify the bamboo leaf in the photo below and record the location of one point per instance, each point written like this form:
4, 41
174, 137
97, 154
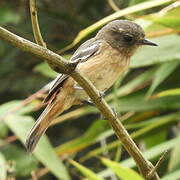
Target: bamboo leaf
170, 19
149, 154
154, 151
20, 125
162, 73
133, 84
170, 92
122, 172
85, 171
168, 50
91, 136
3, 165
24, 164
174, 162
172, 176
138, 103
155, 123
45, 70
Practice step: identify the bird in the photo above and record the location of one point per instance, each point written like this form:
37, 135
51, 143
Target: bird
102, 60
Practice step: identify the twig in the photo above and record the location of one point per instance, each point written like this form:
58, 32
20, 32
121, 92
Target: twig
158, 164
8, 140
40, 173
59, 64
113, 5
126, 116
70, 115
34, 176
24, 102
35, 25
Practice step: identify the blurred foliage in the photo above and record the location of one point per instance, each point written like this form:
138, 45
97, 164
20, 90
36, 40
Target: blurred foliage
147, 97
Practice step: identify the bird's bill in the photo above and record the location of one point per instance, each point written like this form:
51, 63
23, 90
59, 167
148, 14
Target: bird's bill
147, 42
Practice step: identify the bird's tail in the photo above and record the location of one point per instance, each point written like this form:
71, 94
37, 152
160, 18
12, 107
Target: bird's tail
45, 119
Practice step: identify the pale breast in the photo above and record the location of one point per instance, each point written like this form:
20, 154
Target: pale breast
105, 67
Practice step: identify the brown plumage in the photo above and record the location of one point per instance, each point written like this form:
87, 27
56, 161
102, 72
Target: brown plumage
102, 60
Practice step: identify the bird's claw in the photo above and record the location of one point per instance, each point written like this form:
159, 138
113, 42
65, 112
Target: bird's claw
102, 94
89, 101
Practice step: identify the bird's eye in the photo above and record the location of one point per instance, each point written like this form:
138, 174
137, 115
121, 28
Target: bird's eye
128, 38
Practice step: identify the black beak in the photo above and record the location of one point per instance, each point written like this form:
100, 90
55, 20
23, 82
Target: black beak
147, 42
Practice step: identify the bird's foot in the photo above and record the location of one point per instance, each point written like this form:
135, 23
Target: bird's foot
90, 101
102, 94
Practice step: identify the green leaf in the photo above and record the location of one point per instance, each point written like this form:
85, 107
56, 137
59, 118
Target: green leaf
155, 138
44, 152
2, 49
45, 70
3, 129
138, 103
85, 171
149, 154
133, 84
24, 164
168, 50
133, 2
170, 92
170, 19
172, 176
161, 74
122, 172
153, 152
8, 16
3, 165
174, 162
91, 136
155, 123
4, 108
12, 105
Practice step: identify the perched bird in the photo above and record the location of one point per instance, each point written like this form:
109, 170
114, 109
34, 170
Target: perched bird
102, 60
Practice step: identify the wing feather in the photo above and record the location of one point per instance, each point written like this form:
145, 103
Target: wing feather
83, 53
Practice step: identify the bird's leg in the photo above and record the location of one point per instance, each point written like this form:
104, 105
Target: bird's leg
88, 101
101, 94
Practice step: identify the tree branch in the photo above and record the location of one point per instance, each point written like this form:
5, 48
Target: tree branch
35, 25
60, 65
158, 164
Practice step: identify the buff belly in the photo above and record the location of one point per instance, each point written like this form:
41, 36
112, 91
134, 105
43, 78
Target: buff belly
102, 72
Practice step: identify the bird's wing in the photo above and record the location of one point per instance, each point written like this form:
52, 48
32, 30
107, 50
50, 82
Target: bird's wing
83, 53
56, 85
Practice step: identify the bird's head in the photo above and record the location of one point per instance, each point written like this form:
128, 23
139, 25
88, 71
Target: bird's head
124, 35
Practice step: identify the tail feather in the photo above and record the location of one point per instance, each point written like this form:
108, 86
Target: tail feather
63, 101
39, 128
43, 122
